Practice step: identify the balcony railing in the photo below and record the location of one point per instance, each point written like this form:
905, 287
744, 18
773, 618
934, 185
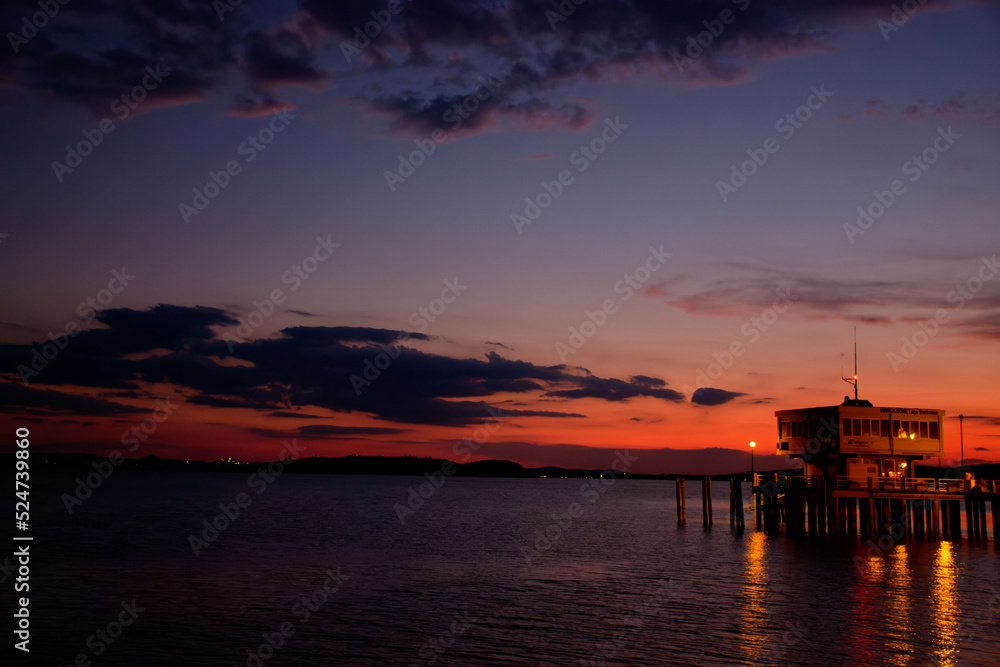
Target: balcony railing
907, 484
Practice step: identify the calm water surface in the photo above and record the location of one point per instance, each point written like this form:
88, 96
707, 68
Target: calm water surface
470, 579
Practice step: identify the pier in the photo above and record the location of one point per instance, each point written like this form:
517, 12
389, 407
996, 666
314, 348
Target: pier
859, 478
924, 508
929, 508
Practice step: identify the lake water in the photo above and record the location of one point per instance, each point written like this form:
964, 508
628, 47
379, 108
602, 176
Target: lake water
467, 579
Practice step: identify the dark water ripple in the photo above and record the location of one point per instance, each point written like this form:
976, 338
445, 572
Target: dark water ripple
622, 585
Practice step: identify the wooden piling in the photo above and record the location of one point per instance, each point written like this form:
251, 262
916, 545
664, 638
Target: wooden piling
813, 512
995, 507
975, 510
706, 501
758, 511
971, 525
681, 502
769, 505
955, 518
821, 511
832, 508
981, 502
864, 522
866, 507
736, 519
798, 509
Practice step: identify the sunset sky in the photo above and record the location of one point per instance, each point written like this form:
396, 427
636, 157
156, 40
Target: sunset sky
677, 183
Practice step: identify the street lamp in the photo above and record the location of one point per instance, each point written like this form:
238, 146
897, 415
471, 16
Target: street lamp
752, 445
961, 437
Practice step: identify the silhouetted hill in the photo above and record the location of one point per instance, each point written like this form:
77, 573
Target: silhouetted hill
402, 465
345, 465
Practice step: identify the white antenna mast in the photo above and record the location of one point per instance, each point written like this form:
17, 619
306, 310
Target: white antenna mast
853, 380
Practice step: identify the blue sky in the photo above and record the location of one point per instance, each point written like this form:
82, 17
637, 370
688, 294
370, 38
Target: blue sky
323, 175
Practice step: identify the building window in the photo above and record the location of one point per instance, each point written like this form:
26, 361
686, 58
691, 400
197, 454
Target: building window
885, 428
866, 427
933, 430
923, 429
847, 427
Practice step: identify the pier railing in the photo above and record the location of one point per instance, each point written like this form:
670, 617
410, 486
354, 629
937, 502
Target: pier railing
908, 484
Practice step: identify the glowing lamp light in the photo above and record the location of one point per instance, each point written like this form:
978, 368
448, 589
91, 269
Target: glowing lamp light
912, 436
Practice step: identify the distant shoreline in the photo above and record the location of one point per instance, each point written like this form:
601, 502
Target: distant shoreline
405, 466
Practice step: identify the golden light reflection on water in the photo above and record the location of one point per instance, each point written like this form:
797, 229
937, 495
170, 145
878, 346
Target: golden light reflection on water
891, 574
754, 594
899, 592
944, 605
890, 579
